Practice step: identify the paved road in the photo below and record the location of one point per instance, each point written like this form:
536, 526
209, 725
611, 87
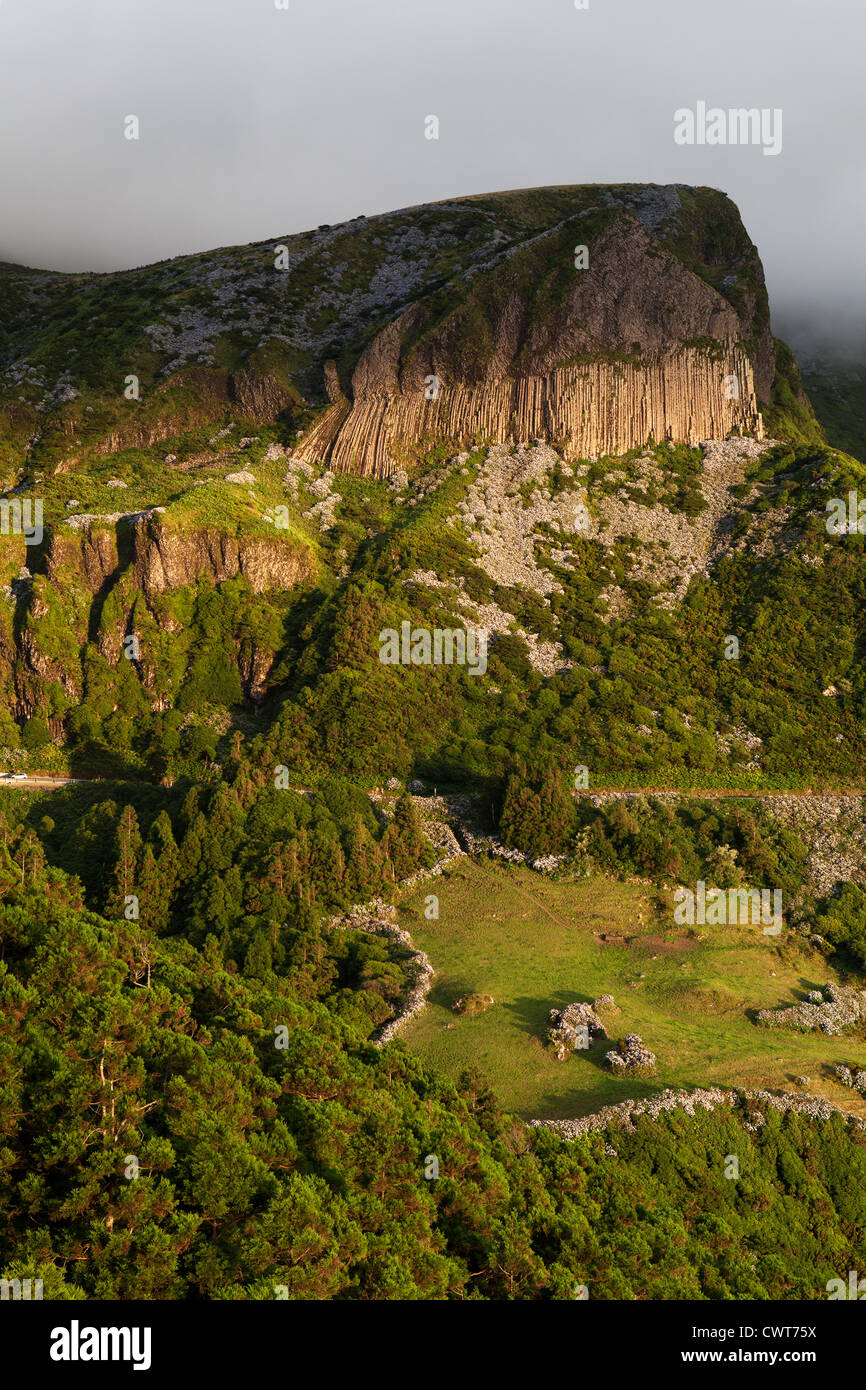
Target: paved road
29, 784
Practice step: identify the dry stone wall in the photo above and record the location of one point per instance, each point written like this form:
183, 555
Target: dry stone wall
829, 1010
379, 918
710, 1098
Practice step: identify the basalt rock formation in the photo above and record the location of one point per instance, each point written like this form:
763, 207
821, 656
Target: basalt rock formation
175, 424
593, 316
592, 409
599, 360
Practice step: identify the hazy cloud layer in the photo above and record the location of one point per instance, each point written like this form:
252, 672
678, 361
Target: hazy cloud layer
257, 122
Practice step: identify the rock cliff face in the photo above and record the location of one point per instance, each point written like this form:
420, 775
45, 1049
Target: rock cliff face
597, 359
163, 558
593, 409
167, 559
91, 552
491, 295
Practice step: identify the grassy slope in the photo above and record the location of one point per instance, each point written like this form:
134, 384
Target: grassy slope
531, 943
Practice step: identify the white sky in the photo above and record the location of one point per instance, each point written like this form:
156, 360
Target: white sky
257, 122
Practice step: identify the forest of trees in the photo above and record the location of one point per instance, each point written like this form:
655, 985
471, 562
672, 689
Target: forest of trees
647, 697
190, 1101
190, 1105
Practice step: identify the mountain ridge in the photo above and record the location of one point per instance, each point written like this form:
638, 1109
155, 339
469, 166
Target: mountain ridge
226, 331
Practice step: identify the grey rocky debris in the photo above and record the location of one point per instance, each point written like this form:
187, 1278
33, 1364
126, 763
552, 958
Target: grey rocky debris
543, 656
840, 1006
324, 512
632, 1056
676, 546
573, 1029
321, 485
506, 507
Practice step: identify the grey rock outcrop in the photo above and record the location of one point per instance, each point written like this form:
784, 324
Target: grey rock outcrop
836, 1007
630, 1055
573, 1028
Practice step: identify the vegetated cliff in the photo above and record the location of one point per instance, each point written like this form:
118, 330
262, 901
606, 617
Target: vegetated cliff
166, 558
599, 359
97, 578
483, 293
91, 553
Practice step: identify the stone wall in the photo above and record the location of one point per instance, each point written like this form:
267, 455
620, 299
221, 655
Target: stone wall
710, 1098
829, 1010
379, 918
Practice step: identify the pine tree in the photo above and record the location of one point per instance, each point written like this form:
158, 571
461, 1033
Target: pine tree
126, 860
363, 861
404, 842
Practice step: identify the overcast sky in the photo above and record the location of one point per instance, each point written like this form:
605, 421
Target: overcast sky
257, 121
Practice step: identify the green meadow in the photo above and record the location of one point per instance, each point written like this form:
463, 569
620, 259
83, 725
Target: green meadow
535, 945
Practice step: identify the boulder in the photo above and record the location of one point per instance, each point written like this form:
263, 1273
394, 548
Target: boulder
631, 1055
473, 1004
573, 1029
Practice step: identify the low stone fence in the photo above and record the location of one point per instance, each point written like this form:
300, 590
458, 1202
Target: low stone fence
379, 918
626, 1112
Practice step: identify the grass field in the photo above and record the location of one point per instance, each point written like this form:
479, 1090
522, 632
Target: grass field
535, 945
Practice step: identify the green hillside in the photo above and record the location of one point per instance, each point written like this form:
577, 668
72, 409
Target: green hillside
306, 729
